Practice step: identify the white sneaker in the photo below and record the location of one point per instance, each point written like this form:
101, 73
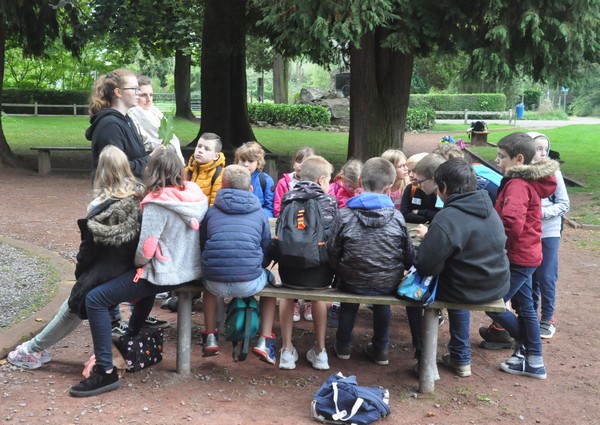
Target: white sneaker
308, 311
296, 317
288, 359
21, 356
319, 361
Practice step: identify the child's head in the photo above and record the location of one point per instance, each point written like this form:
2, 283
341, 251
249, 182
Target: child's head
317, 169
455, 176
114, 178
515, 149
411, 163
350, 173
377, 175
424, 171
448, 150
236, 177
542, 145
164, 169
300, 155
251, 155
398, 160
208, 148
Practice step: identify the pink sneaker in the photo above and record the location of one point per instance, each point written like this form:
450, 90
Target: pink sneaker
308, 311
22, 357
296, 317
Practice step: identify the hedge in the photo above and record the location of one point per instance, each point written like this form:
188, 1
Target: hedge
279, 113
419, 119
45, 97
460, 102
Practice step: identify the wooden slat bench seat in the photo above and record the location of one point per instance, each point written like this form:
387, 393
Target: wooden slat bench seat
430, 321
44, 166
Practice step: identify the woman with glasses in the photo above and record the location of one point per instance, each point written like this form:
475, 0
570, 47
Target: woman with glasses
148, 118
113, 95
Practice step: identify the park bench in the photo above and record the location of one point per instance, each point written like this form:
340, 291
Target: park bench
430, 321
44, 166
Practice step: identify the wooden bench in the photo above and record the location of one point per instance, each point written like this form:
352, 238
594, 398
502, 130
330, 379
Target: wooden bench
430, 321
44, 166
479, 138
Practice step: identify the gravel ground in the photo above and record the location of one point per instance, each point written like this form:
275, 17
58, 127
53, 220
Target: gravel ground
26, 282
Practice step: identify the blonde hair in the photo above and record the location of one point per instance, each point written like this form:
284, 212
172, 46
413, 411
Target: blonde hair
251, 151
350, 171
164, 169
103, 91
114, 178
414, 159
314, 167
236, 177
394, 156
427, 166
448, 150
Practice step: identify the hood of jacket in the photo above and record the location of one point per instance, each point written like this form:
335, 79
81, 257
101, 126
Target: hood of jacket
372, 209
302, 191
539, 174
96, 118
189, 204
535, 135
477, 203
236, 201
118, 223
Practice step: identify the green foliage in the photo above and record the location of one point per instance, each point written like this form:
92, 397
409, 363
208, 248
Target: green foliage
588, 104
420, 119
531, 98
46, 97
294, 115
459, 102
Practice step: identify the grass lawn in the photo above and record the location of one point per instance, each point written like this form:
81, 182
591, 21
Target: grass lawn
577, 145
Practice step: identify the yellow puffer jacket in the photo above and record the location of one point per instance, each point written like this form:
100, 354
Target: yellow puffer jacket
202, 175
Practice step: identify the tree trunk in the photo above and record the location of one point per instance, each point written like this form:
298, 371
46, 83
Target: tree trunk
7, 157
183, 100
281, 71
223, 76
379, 93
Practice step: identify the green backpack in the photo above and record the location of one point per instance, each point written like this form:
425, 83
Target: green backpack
241, 325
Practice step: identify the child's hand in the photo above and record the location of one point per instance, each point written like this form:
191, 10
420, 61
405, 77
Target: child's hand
419, 231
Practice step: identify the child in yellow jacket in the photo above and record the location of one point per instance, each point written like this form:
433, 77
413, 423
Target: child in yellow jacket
205, 165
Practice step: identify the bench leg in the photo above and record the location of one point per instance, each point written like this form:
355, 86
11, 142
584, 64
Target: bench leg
429, 354
44, 162
184, 332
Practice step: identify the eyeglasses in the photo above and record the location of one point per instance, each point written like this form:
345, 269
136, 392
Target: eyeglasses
417, 182
135, 89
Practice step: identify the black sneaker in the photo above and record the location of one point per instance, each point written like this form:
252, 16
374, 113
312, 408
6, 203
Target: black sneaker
523, 368
97, 383
169, 304
156, 323
119, 328
342, 351
380, 357
495, 338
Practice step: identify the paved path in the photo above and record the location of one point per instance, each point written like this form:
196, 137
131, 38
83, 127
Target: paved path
533, 123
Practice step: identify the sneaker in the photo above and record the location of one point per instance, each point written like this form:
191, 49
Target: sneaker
265, 349
547, 329
162, 295
379, 356
155, 323
97, 383
308, 311
495, 338
333, 316
462, 370
318, 361
523, 368
119, 328
210, 345
288, 358
518, 355
296, 317
22, 357
169, 304
342, 351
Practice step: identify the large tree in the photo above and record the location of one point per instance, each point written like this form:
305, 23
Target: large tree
537, 38
33, 24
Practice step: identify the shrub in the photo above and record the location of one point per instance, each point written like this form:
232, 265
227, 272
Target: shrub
460, 102
45, 97
294, 115
531, 98
419, 119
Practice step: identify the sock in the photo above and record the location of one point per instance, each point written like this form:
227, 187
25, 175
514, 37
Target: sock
535, 361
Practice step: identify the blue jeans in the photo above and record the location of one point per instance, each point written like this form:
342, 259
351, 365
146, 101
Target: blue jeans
524, 329
381, 324
460, 343
101, 299
545, 277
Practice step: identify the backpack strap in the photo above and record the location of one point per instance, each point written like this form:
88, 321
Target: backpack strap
344, 415
216, 175
263, 181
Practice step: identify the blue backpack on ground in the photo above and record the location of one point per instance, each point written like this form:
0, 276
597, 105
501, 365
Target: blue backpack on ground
340, 400
241, 325
415, 287
300, 236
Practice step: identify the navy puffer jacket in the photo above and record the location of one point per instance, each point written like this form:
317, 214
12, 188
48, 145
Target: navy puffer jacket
234, 237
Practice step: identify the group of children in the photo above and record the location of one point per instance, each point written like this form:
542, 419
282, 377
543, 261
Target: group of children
480, 252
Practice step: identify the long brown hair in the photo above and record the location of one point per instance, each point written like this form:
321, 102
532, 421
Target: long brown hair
164, 169
103, 91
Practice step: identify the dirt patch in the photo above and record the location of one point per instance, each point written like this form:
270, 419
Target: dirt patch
43, 211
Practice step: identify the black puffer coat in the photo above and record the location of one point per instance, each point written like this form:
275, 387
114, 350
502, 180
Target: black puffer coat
109, 238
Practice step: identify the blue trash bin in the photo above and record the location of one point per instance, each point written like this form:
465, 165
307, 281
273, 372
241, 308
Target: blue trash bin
520, 110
